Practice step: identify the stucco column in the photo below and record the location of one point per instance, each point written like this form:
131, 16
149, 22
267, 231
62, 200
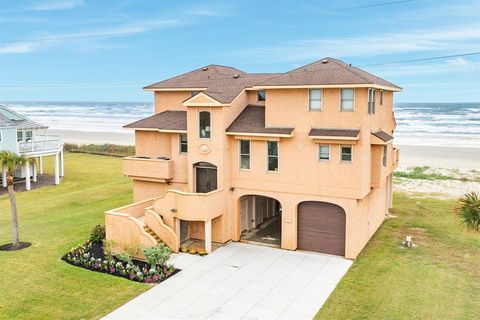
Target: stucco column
27, 178
34, 167
62, 167
208, 236
4, 178
288, 216
177, 228
40, 165
56, 169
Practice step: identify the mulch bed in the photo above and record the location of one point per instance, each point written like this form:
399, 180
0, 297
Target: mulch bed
98, 253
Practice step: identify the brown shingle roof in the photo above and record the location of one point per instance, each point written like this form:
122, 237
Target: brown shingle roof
327, 71
166, 120
252, 120
219, 81
382, 135
328, 132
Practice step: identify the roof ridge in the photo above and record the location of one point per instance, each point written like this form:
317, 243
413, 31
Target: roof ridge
349, 69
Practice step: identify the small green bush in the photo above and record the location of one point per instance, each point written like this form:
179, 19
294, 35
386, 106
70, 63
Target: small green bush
124, 257
98, 234
157, 255
468, 211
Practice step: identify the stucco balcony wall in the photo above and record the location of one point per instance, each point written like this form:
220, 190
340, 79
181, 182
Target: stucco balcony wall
148, 169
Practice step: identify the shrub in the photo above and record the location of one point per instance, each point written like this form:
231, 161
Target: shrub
98, 234
157, 255
125, 257
468, 211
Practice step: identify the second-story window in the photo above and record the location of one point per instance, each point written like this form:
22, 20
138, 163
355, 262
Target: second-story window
261, 95
19, 136
315, 99
371, 101
324, 152
28, 135
384, 157
381, 97
183, 143
346, 153
204, 124
347, 99
272, 156
244, 154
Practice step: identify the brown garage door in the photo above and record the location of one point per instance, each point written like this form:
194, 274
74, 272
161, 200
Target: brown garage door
321, 227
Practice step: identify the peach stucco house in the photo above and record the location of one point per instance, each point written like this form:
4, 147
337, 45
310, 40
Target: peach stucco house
300, 160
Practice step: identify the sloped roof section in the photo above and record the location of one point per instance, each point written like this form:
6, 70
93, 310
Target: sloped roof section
252, 120
382, 135
167, 120
329, 132
10, 118
219, 82
327, 71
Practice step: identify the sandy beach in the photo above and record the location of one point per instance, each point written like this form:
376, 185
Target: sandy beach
84, 137
440, 157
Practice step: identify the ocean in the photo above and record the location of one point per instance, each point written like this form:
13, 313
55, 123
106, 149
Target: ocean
428, 124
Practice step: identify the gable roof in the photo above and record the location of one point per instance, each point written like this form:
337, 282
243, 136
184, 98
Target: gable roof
327, 71
252, 120
167, 120
10, 118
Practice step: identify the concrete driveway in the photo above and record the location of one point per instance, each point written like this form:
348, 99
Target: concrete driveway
241, 281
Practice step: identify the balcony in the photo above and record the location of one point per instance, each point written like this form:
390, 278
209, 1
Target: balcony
148, 169
41, 145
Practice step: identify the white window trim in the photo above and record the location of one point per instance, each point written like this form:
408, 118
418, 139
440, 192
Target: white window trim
321, 100
198, 122
329, 152
374, 101
1, 136
240, 155
180, 144
267, 156
346, 145
340, 100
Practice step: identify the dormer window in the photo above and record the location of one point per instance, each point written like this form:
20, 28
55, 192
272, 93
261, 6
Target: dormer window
261, 95
204, 124
315, 99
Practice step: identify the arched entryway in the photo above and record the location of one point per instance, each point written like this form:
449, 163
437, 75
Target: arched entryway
260, 219
205, 177
321, 227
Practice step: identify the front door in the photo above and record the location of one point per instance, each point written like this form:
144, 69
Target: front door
206, 179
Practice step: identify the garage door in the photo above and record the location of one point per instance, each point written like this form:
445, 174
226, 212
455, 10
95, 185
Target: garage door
321, 228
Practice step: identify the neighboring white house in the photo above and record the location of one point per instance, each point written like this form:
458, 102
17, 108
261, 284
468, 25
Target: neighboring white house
24, 136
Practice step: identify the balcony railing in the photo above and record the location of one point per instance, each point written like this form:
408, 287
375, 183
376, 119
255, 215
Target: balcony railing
41, 144
148, 168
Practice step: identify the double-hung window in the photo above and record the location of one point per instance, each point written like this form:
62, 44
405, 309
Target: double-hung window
183, 143
315, 99
19, 136
244, 154
261, 95
272, 156
346, 153
384, 157
381, 97
204, 124
347, 99
324, 152
371, 101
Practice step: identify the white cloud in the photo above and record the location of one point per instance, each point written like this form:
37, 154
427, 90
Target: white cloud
204, 12
56, 5
13, 48
459, 62
422, 40
399, 71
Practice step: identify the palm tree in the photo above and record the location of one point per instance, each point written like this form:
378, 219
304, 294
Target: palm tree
10, 161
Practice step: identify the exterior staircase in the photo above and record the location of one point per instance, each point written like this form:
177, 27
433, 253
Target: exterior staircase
153, 234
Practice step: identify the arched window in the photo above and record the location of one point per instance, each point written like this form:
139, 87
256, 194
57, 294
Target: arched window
204, 124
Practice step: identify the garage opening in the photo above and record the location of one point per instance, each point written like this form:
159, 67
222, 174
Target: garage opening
260, 220
321, 227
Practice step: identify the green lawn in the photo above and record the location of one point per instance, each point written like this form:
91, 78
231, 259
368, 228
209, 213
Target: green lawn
440, 279
34, 282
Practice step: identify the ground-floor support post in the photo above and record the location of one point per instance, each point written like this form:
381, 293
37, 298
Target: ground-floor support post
62, 167
27, 177
34, 167
177, 228
4, 178
56, 169
40, 165
208, 236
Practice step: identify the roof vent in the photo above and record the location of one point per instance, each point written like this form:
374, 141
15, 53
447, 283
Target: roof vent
324, 61
236, 76
204, 68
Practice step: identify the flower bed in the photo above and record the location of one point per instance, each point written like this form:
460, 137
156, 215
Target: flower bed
91, 255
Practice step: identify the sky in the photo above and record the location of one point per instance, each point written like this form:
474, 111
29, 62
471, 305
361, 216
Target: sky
99, 50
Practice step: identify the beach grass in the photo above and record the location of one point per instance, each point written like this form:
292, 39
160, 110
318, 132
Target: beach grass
100, 149
34, 282
439, 279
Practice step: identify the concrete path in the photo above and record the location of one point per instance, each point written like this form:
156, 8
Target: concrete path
241, 281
